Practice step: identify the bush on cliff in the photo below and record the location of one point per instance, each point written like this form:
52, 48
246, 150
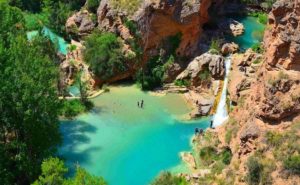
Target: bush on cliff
292, 163
92, 5
254, 171
104, 54
166, 178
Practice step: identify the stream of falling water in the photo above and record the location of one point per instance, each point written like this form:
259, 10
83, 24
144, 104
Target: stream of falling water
222, 113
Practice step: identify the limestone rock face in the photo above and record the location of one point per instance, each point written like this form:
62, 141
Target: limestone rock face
156, 21
283, 35
160, 19
80, 23
112, 20
214, 63
72, 64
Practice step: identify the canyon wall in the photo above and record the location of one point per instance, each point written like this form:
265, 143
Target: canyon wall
266, 103
156, 21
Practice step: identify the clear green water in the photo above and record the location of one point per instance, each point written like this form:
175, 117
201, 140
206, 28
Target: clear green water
74, 90
128, 145
253, 32
59, 42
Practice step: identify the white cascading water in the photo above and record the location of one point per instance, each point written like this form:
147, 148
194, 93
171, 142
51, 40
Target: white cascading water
222, 113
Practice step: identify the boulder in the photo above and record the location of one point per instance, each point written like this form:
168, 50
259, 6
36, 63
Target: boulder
171, 72
236, 28
203, 107
229, 48
232, 26
250, 131
247, 58
80, 23
212, 62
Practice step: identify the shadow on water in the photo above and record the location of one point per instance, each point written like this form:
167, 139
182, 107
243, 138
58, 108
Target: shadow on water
76, 132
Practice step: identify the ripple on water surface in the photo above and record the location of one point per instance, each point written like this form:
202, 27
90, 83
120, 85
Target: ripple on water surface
125, 144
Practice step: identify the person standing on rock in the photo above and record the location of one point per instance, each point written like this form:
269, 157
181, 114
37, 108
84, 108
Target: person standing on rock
138, 104
211, 123
196, 131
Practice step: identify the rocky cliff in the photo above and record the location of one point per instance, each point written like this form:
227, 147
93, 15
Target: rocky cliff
263, 129
155, 21
282, 36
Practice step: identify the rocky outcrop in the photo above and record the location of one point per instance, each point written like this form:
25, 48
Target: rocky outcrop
154, 22
206, 63
161, 19
80, 23
229, 48
282, 36
265, 90
112, 20
158, 20
189, 159
232, 26
73, 64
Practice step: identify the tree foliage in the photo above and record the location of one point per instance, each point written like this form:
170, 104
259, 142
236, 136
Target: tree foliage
28, 100
54, 171
104, 54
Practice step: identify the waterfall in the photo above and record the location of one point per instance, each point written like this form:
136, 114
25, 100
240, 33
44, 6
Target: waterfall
222, 113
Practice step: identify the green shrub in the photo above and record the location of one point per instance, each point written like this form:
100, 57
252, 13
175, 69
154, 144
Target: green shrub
274, 139
182, 83
263, 18
205, 75
72, 47
254, 171
292, 163
35, 21
104, 54
92, 5
215, 45
256, 61
166, 178
226, 156
208, 155
152, 75
257, 48
73, 108
132, 26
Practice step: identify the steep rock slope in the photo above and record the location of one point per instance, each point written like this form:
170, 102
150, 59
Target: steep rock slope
263, 129
154, 22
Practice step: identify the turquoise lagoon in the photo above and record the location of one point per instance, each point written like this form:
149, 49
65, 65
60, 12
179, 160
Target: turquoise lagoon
59, 42
128, 145
253, 32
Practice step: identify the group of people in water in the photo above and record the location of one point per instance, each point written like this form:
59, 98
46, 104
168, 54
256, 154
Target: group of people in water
140, 104
200, 131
